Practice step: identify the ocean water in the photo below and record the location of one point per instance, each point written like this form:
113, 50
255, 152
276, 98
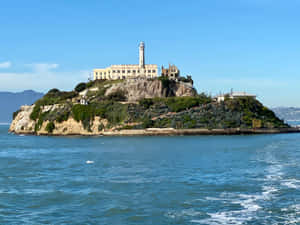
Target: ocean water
251, 179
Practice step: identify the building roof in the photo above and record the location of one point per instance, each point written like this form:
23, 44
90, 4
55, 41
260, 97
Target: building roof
125, 65
237, 94
241, 94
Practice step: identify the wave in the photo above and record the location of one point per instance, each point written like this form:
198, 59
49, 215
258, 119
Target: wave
291, 183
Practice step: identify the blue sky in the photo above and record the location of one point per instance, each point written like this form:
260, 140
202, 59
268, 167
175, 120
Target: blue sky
247, 45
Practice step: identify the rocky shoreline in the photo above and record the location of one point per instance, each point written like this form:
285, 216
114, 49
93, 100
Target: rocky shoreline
173, 132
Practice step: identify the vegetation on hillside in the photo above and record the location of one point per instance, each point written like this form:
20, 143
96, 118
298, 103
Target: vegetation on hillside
200, 111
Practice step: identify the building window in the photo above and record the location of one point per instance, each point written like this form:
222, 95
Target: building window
118, 71
96, 73
138, 71
149, 71
133, 71
104, 73
100, 73
128, 71
123, 71
153, 71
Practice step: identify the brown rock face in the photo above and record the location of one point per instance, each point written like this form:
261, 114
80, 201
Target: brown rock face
137, 89
22, 123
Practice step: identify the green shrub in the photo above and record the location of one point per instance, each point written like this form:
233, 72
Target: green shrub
36, 111
253, 109
83, 113
118, 95
41, 118
177, 104
127, 127
162, 123
116, 112
54, 96
90, 84
50, 127
80, 87
147, 123
62, 116
187, 79
101, 127
164, 81
146, 102
53, 91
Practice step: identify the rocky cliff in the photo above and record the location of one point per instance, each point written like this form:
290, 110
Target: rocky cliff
136, 89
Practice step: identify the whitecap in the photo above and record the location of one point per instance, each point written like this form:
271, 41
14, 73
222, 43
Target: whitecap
183, 213
268, 191
89, 162
291, 183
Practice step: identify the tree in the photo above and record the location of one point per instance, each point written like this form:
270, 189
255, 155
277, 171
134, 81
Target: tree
80, 87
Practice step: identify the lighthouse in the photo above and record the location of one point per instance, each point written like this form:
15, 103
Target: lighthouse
142, 55
131, 71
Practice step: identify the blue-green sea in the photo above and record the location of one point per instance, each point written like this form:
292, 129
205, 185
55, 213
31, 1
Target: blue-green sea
251, 179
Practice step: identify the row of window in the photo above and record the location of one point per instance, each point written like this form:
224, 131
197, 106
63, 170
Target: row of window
123, 71
115, 77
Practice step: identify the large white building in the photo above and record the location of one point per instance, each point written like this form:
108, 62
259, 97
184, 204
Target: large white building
115, 72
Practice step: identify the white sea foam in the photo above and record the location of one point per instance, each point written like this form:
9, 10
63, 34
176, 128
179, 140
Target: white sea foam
291, 183
89, 162
268, 192
223, 218
248, 202
291, 215
183, 213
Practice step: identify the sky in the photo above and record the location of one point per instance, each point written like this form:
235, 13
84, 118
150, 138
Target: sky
244, 45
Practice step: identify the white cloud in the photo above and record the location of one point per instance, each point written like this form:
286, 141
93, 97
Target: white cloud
42, 78
42, 67
5, 65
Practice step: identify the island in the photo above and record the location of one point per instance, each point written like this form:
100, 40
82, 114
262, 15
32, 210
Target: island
131, 99
143, 106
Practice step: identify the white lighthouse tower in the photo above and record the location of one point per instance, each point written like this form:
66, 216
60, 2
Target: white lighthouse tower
142, 55
142, 58
124, 71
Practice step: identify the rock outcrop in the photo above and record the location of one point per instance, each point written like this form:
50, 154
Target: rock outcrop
136, 89
22, 122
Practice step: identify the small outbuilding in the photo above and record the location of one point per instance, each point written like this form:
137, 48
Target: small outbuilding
83, 100
233, 95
